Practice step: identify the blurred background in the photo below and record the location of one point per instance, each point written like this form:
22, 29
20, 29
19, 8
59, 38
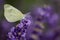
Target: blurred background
24, 6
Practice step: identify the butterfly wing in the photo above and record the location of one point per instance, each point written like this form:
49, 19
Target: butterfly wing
12, 14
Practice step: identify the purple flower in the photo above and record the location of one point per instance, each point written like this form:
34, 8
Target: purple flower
20, 30
32, 25
53, 19
6, 25
40, 14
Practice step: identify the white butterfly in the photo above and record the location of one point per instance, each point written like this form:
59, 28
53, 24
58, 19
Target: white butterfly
12, 14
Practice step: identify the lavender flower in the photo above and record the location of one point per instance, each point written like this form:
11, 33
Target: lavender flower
19, 31
31, 27
6, 25
40, 14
